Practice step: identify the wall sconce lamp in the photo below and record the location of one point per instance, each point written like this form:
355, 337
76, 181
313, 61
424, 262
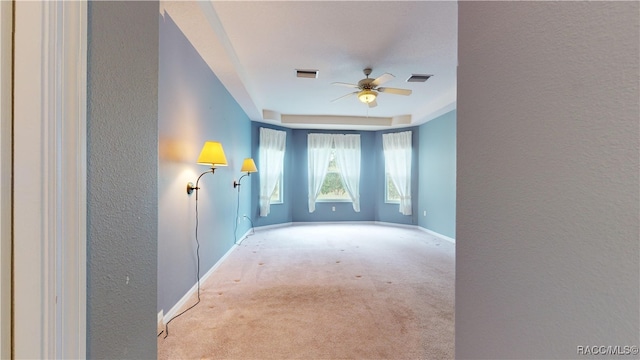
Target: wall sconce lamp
212, 154
249, 167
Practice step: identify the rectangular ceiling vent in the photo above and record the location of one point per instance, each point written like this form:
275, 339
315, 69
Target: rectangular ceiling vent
419, 78
309, 74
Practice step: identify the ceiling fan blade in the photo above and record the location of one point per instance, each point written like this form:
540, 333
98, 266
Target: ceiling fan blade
382, 79
345, 84
394, 91
344, 96
373, 104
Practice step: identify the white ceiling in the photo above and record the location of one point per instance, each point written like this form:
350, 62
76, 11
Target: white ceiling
255, 47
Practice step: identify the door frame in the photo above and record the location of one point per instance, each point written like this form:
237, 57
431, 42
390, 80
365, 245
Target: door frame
49, 179
6, 21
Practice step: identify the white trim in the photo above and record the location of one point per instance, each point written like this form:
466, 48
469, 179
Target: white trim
160, 321
295, 223
73, 168
30, 300
438, 235
50, 181
178, 306
333, 200
404, 226
6, 20
333, 222
273, 226
246, 235
381, 223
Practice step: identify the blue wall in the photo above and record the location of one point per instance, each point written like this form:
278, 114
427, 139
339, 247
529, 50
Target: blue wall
372, 205
193, 106
437, 172
279, 213
388, 212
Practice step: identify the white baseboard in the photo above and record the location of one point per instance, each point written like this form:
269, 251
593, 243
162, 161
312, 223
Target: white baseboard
382, 223
438, 235
176, 308
274, 226
331, 222
405, 226
246, 235
160, 321
430, 232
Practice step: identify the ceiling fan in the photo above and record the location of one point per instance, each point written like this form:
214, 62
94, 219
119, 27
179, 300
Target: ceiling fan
368, 88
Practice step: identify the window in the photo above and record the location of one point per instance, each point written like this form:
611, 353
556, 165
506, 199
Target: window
333, 168
270, 165
397, 163
391, 194
276, 196
333, 187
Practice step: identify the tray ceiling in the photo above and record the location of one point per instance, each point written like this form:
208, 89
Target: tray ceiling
255, 48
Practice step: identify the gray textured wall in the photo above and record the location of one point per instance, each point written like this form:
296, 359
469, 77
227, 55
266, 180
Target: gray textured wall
122, 141
547, 198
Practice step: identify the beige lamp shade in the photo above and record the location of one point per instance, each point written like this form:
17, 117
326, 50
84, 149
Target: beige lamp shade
212, 154
248, 166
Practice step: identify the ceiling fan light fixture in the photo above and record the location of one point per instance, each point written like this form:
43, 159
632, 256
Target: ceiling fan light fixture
367, 96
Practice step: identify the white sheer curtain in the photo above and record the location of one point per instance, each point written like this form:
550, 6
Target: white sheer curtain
318, 154
347, 150
270, 163
397, 160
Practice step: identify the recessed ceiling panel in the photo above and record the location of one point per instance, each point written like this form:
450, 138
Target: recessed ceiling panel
273, 39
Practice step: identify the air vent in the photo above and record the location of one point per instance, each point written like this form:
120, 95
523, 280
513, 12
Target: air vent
309, 74
419, 78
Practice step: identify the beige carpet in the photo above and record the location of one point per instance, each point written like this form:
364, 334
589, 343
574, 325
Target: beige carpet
346, 291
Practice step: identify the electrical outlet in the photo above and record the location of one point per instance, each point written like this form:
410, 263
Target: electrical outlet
333, 208
424, 213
